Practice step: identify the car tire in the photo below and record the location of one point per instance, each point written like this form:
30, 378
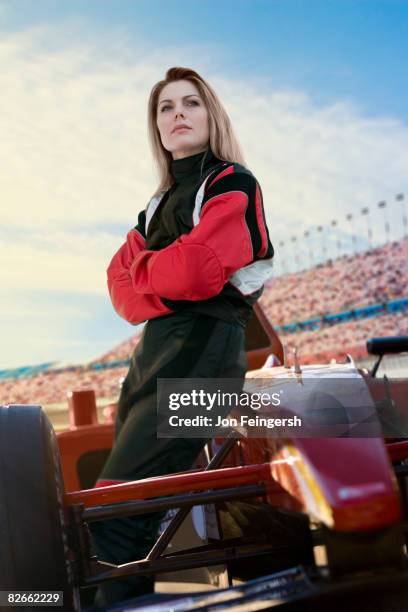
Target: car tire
34, 552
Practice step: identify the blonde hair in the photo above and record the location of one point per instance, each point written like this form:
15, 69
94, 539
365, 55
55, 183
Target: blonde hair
223, 142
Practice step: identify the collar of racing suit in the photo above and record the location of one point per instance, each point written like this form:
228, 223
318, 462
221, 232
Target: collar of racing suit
192, 168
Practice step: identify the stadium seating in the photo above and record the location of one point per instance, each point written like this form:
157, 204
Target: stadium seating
347, 283
365, 281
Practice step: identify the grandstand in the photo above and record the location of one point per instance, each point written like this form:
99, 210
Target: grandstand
332, 309
326, 311
347, 283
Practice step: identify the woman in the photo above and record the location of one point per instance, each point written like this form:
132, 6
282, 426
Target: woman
192, 267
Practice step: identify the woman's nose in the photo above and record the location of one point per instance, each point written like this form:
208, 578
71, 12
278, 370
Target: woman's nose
179, 114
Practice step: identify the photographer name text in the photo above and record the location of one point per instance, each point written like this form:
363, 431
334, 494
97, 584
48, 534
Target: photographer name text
243, 420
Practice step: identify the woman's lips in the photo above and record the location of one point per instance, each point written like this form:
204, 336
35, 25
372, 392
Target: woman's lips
181, 129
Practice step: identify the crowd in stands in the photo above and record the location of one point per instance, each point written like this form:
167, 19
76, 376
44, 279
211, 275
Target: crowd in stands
121, 351
345, 337
52, 387
347, 283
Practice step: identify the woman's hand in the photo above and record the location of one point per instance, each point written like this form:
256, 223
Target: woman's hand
230, 235
131, 306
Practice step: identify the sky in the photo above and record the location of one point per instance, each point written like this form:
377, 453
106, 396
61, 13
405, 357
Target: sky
317, 92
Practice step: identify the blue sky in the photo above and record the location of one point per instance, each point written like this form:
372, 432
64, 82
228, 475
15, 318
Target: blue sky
352, 49
316, 90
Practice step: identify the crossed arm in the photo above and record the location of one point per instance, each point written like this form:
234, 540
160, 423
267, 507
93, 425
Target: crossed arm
197, 265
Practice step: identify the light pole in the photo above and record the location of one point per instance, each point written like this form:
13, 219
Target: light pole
338, 241
349, 217
400, 198
282, 258
383, 205
320, 230
306, 235
365, 211
294, 239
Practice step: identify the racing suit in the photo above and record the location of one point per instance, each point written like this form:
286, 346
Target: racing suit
192, 267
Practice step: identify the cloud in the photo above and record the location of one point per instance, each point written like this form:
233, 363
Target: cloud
317, 163
74, 143
75, 165
38, 325
59, 260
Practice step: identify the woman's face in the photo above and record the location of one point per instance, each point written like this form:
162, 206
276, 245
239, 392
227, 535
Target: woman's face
182, 119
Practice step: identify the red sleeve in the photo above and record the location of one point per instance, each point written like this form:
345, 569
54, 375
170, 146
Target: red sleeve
197, 265
133, 307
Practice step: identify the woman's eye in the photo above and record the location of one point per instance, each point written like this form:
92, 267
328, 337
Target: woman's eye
189, 103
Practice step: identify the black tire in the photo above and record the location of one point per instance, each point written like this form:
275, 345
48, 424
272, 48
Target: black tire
33, 541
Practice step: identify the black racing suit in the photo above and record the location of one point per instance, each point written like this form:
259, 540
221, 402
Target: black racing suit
199, 338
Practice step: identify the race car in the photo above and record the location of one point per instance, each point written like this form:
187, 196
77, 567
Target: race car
287, 521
